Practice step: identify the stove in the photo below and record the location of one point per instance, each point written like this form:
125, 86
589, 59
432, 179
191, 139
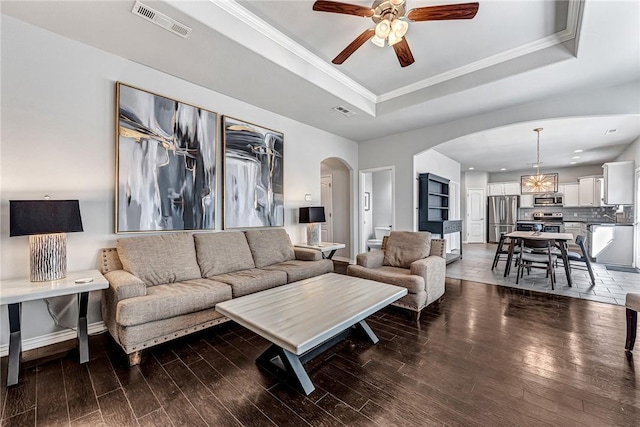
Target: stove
552, 222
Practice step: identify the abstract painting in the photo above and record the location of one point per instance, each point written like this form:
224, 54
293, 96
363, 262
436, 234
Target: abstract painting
253, 175
166, 158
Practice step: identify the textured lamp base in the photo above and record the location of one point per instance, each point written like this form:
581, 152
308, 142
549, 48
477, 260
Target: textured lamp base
313, 234
48, 256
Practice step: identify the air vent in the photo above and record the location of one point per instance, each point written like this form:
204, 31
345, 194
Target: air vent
344, 111
161, 20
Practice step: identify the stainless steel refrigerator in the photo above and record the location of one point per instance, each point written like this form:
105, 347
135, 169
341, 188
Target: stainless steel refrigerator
503, 215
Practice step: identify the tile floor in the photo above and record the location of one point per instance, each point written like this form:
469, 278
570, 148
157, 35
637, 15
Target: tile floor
611, 286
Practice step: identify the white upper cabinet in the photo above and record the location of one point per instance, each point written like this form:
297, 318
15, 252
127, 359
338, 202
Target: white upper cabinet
590, 191
504, 189
526, 201
618, 183
571, 194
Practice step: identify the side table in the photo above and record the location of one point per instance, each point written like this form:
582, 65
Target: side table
14, 292
323, 247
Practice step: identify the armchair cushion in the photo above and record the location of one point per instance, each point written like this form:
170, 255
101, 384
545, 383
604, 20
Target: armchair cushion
405, 247
372, 259
391, 275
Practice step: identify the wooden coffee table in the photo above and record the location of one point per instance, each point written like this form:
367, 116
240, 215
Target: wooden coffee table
305, 318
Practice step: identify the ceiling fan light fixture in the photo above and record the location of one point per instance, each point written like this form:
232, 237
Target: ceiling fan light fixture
393, 39
377, 41
383, 28
399, 28
396, 2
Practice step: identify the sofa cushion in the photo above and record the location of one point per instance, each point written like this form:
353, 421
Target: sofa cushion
161, 259
249, 281
171, 300
405, 247
391, 275
299, 270
270, 246
220, 253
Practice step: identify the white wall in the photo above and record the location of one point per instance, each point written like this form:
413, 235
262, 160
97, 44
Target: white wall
58, 138
367, 218
430, 161
631, 153
399, 149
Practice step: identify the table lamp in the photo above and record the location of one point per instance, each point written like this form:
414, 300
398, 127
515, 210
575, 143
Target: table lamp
312, 216
46, 222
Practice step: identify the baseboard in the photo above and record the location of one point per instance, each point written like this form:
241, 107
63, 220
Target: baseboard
53, 338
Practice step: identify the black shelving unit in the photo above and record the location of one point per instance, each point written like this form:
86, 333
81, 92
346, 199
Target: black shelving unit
433, 209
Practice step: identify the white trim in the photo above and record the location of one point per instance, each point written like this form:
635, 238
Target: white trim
54, 338
361, 241
573, 15
267, 30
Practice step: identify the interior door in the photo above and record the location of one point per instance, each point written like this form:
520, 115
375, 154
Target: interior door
326, 199
475, 215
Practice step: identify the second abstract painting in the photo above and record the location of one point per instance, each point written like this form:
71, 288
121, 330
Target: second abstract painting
253, 175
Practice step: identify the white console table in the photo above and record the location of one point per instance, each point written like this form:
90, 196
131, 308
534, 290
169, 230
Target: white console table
14, 292
323, 247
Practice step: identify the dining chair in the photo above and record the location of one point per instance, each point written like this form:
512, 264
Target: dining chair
581, 260
531, 259
503, 250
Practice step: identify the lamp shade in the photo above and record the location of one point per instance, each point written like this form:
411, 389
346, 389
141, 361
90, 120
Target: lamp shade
29, 217
311, 214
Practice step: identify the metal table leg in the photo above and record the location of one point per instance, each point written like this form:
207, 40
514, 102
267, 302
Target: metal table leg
331, 254
83, 339
15, 343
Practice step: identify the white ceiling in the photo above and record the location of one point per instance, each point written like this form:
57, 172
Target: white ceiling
276, 55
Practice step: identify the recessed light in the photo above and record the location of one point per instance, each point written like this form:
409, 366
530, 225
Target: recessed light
575, 157
503, 169
471, 168
610, 131
578, 151
572, 163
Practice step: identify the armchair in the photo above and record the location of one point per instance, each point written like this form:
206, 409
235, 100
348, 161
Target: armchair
409, 259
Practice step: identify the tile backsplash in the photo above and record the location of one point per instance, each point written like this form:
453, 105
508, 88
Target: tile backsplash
583, 214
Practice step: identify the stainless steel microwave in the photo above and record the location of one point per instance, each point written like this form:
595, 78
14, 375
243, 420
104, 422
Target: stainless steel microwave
548, 200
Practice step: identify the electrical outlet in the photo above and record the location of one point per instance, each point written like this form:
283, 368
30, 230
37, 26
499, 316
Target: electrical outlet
307, 197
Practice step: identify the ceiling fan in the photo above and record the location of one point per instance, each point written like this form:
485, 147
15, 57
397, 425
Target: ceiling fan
391, 23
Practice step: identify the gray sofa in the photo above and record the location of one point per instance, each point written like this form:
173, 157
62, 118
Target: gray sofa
166, 286
409, 259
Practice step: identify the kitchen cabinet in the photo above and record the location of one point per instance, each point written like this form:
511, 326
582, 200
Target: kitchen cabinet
590, 191
526, 201
618, 183
504, 189
571, 194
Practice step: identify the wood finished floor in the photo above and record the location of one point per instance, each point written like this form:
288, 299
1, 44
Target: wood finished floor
486, 355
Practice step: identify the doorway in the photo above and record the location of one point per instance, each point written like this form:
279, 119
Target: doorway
336, 197
377, 203
475, 215
326, 200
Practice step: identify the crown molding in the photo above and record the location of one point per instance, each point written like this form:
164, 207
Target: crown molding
235, 9
573, 17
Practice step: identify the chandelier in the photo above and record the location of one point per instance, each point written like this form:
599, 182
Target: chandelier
538, 183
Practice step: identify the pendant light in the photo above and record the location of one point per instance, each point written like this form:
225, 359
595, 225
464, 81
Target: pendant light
539, 183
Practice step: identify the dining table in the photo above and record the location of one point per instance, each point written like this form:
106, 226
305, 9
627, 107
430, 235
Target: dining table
560, 239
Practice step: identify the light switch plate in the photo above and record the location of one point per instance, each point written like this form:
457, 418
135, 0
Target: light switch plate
307, 197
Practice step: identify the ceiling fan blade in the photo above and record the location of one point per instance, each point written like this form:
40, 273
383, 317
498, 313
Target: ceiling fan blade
444, 12
403, 52
347, 9
353, 46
